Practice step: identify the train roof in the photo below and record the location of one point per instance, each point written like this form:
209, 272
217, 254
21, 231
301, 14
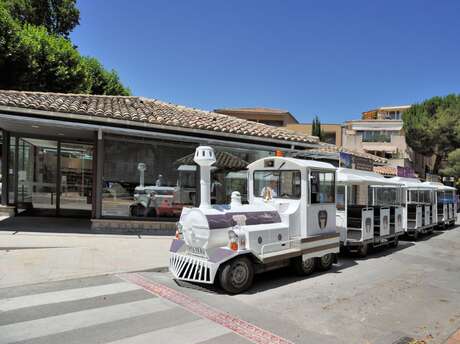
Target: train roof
440, 186
412, 183
302, 163
352, 176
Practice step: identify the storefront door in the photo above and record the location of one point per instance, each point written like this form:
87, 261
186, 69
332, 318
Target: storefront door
54, 178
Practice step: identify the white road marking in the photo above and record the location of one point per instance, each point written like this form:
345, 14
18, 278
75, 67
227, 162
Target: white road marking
65, 295
76, 320
191, 332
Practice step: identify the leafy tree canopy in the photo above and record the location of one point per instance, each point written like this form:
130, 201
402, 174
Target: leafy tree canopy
433, 127
453, 164
59, 17
41, 58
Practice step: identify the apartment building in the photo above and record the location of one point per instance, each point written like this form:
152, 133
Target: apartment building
332, 133
379, 132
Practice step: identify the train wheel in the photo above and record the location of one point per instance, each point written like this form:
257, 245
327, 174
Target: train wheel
363, 250
395, 242
303, 267
237, 275
325, 262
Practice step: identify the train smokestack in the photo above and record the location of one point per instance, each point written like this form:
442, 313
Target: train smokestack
205, 157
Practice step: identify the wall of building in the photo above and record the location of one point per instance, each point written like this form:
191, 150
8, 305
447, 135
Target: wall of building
335, 130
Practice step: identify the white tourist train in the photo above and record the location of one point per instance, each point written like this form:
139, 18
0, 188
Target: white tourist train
290, 220
293, 218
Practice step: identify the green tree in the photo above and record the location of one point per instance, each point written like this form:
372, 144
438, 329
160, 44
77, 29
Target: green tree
32, 58
59, 17
316, 128
433, 127
453, 164
101, 81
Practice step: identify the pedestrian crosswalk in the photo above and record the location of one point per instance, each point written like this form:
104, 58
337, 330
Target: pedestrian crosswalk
109, 310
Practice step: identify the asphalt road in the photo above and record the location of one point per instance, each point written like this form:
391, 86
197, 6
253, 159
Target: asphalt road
409, 292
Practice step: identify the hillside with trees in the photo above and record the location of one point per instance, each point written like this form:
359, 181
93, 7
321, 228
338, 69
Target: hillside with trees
36, 53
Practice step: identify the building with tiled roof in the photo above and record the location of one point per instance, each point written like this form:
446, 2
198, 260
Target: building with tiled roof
85, 155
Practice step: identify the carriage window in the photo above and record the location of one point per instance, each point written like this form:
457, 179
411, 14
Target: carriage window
277, 184
322, 187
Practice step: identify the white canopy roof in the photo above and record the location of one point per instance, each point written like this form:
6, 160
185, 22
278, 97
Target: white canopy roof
412, 183
352, 176
440, 186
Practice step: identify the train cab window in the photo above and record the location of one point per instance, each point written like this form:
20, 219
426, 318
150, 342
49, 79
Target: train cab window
277, 184
322, 187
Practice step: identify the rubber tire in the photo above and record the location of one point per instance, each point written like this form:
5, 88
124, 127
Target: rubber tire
225, 275
299, 267
395, 242
137, 210
363, 251
325, 265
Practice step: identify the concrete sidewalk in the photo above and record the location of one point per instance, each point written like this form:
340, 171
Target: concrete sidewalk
27, 258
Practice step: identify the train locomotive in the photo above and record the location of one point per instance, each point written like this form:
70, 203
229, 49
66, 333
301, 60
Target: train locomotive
290, 220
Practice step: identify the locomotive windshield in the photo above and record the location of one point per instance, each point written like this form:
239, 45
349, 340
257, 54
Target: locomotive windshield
277, 184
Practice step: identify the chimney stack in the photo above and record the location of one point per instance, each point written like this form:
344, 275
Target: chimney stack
205, 157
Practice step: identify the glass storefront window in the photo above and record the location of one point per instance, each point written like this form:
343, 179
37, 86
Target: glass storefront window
171, 178
167, 186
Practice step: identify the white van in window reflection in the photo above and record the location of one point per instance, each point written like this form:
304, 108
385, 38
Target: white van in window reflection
165, 201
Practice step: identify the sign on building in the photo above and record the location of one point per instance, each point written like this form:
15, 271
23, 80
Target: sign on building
407, 172
345, 160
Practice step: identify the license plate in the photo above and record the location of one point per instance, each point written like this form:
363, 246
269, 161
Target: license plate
197, 251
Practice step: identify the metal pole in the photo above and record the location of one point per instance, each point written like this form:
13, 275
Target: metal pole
5, 167
99, 173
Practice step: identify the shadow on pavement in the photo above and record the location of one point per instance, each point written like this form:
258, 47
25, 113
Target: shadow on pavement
69, 225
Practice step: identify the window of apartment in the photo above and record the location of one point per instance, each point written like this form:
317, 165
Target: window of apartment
329, 137
376, 136
272, 122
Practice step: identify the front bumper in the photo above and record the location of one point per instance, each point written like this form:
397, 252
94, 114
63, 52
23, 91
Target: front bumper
186, 266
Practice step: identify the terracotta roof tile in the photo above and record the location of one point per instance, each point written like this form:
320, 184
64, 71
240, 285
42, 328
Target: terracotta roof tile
138, 109
386, 170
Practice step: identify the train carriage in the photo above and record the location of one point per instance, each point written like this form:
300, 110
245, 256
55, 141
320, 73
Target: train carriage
419, 206
446, 207
368, 210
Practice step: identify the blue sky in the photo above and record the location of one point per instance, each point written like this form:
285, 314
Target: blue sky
333, 59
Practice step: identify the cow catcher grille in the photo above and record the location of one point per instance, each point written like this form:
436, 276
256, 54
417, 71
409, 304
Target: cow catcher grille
190, 268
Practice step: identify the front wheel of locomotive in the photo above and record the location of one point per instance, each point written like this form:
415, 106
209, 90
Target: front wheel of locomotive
236, 275
303, 267
325, 262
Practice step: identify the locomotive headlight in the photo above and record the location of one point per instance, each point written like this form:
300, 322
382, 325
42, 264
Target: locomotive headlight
233, 240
